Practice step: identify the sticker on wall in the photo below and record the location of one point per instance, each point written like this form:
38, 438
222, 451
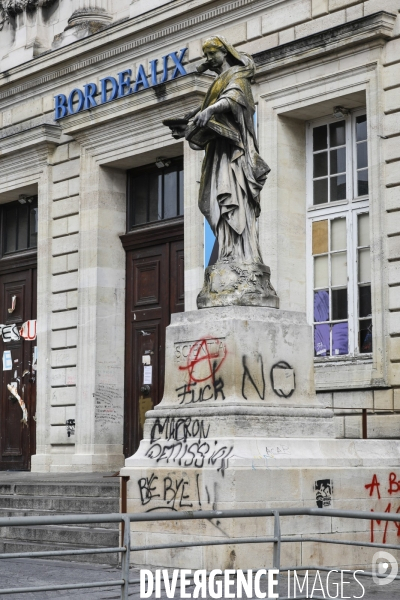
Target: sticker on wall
28, 330
323, 492
7, 360
9, 333
147, 374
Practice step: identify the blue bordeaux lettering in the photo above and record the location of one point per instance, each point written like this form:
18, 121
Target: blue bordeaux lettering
112, 88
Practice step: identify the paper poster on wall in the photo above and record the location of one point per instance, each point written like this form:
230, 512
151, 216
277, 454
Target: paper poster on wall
9, 333
7, 360
147, 374
28, 330
14, 392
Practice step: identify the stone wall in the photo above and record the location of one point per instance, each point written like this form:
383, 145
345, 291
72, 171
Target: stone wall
29, 34
264, 486
64, 301
391, 200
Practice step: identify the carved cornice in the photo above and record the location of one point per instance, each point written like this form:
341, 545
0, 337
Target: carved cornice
47, 135
87, 15
9, 130
377, 26
26, 162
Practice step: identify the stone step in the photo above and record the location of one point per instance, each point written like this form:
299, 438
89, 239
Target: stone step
31, 495
63, 534
61, 504
11, 545
94, 490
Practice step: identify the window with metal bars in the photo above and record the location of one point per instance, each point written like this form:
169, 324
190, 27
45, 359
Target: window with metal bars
339, 236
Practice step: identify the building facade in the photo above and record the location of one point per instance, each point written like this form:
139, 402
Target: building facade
101, 236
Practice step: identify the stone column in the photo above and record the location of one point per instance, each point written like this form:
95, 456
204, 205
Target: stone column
87, 17
42, 459
101, 319
89, 11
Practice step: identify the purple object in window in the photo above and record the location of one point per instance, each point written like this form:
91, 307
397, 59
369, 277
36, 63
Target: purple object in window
321, 340
340, 339
321, 306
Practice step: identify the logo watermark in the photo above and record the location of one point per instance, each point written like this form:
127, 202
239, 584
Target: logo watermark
381, 562
260, 583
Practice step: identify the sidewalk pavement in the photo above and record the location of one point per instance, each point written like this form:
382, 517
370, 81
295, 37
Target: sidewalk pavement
39, 572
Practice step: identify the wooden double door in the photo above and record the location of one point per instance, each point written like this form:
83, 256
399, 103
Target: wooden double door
17, 305
154, 290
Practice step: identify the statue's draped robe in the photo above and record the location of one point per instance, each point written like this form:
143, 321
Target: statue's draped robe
233, 173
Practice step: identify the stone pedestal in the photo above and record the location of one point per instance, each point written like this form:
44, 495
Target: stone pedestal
240, 426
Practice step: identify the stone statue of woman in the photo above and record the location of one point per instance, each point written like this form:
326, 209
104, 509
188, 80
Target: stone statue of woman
233, 174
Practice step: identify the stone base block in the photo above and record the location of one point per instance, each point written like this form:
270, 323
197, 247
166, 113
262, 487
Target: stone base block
239, 356
238, 422
240, 426
266, 473
77, 463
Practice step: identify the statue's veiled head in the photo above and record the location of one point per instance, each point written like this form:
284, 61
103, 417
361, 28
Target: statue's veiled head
217, 50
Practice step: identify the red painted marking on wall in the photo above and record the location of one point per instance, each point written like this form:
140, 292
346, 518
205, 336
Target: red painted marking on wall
393, 488
371, 486
388, 509
394, 484
199, 353
378, 522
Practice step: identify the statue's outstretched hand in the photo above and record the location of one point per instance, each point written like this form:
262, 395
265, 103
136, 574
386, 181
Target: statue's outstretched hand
191, 113
202, 118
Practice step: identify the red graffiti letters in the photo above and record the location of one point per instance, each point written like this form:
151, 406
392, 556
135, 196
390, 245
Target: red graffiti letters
388, 509
394, 484
372, 486
204, 359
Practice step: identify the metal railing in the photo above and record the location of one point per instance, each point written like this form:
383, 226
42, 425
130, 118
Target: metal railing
125, 549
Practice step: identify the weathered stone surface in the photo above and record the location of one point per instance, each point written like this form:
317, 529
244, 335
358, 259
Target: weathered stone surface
239, 356
239, 394
274, 473
240, 426
233, 283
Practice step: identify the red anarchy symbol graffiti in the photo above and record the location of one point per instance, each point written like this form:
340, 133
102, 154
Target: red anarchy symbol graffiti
201, 353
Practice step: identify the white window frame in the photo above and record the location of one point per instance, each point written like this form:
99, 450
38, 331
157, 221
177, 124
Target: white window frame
350, 208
